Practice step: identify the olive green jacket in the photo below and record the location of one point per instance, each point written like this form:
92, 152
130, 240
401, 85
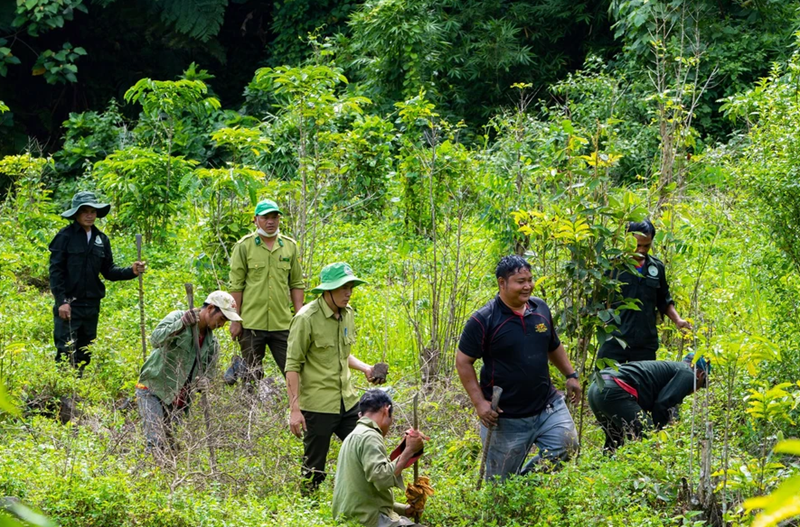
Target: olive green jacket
365, 477
318, 350
265, 278
167, 368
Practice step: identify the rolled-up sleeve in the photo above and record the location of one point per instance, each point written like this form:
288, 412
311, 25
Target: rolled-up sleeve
378, 469
298, 344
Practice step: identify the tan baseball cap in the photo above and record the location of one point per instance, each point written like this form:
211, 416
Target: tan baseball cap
225, 303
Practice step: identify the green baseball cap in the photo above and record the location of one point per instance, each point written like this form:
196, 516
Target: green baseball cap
265, 206
87, 199
335, 275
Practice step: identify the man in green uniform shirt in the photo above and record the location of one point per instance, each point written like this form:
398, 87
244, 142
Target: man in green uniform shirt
365, 475
266, 281
322, 399
171, 372
641, 394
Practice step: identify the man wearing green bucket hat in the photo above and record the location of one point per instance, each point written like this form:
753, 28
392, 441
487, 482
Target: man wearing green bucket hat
266, 281
79, 254
322, 399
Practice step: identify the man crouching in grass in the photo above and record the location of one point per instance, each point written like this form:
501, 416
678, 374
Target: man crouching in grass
364, 473
171, 374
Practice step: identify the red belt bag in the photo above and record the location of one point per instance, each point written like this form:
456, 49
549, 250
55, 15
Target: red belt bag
624, 385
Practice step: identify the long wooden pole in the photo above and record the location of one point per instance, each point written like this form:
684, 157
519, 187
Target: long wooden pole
203, 399
416, 463
141, 298
496, 393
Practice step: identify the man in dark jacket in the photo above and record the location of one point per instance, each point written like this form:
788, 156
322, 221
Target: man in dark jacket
79, 254
636, 338
641, 394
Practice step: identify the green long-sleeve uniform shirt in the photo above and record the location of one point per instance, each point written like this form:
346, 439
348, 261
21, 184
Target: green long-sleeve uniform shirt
365, 477
168, 367
318, 350
661, 385
265, 278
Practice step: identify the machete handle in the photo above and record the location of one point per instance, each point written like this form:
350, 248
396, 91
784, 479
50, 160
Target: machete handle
496, 393
190, 295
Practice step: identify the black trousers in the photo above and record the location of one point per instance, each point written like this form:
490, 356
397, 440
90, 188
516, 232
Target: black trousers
73, 337
618, 413
317, 440
254, 343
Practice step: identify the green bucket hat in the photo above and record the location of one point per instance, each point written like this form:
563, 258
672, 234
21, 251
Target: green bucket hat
265, 206
335, 275
88, 199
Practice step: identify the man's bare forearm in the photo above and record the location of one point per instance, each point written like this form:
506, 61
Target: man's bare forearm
469, 379
293, 389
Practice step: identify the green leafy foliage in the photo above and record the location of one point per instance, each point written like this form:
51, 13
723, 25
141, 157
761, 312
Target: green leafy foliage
144, 186
39, 16
198, 19
422, 208
59, 66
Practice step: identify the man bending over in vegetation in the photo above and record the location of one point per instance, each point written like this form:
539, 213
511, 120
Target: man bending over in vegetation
514, 335
364, 473
642, 393
171, 373
266, 282
638, 329
79, 253
322, 399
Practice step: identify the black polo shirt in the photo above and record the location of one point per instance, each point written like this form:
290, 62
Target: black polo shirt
515, 351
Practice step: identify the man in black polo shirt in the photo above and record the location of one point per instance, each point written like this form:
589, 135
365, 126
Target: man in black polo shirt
514, 335
638, 329
79, 253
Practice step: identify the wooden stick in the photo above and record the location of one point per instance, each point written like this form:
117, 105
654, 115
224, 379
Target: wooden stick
141, 298
496, 393
203, 399
416, 463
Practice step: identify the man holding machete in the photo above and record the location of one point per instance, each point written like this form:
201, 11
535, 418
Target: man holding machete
79, 254
514, 335
172, 373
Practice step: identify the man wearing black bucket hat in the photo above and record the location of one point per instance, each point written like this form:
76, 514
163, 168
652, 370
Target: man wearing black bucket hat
79, 254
